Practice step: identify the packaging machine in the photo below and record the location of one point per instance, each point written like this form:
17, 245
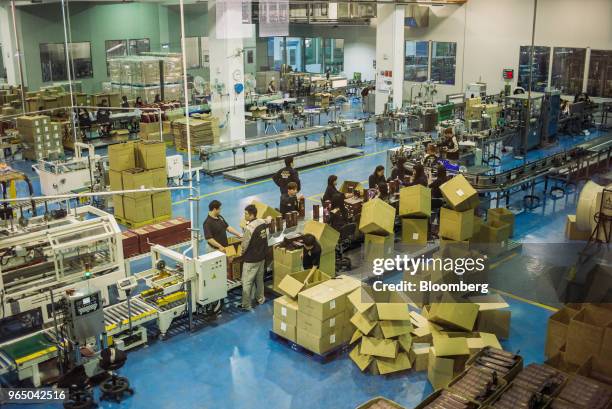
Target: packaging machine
42, 257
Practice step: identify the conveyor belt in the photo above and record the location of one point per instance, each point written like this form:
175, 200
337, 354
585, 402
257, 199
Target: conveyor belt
116, 316
309, 159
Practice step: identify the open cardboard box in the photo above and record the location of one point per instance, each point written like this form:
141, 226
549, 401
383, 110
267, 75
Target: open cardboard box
457, 315
326, 235
598, 368
585, 333
503, 215
556, 334
292, 284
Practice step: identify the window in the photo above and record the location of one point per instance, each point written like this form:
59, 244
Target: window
140, 45
600, 74
416, 61
276, 50
53, 61
294, 47
539, 70
250, 57
333, 53
80, 55
568, 69
313, 55
443, 62
192, 52
114, 48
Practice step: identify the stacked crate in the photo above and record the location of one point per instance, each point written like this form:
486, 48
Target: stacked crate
43, 138
415, 210
134, 166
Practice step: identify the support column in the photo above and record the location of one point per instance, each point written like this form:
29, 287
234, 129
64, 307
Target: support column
389, 56
227, 68
9, 48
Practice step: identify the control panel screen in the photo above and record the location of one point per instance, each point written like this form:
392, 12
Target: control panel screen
87, 305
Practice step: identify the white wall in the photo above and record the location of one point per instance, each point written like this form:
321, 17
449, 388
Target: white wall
489, 34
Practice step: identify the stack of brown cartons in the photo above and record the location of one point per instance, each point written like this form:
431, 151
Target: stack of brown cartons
149, 131
457, 219
377, 222
383, 336
201, 131
415, 210
135, 166
43, 139
328, 238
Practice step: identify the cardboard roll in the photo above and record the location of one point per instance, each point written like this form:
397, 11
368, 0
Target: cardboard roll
589, 204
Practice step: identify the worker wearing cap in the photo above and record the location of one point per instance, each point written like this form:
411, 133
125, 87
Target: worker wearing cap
254, 251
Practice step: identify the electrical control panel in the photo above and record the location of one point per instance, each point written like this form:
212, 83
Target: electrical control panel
211, 269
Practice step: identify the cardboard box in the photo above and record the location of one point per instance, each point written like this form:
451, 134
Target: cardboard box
556, 334
559, 362
400, 363
378, 246
151, 154
385, 348
284, 329
495, 232
377, 217
456, 225
321, 327
494, 321
392, 329
481, 340
114, 179
118, 206
326, 235
585, 334
121, 156
349, 186
159, 177
134, 179
501, 215
454, 249
291, 258
32, 121
392, 311
327, 263
419, 355
363, 324
362, 361
279, 272
446, 360
572, 232
414, 231
293, 283
321, 302
319, 345
263, 210
138, 210
461, 316
459, 194
415, 201
162, 204
599, 369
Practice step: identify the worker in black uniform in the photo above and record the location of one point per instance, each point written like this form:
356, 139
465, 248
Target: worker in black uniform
431, 158
289, 200
338, 214
332, 190
450, 144
285, 175
377, 177
399, 171
254, 251
419, 177
437, 199
216, 228
311, 256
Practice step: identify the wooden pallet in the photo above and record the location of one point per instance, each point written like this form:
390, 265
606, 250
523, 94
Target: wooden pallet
321, 358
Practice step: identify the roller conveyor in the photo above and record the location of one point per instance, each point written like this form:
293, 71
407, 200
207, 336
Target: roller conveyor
116, 317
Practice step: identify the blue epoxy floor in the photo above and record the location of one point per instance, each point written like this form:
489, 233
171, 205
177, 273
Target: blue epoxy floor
232, 364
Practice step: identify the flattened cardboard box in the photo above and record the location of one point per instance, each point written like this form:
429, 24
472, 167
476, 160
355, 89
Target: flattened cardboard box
393, 311
284, 329
363, 324
293, 283
384, 348
318, 327
415, 201
286, 309
392, 329
399, 363
321, 302
457, 315
318, 345
361, 360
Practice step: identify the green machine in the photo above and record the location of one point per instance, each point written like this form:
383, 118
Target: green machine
446, 112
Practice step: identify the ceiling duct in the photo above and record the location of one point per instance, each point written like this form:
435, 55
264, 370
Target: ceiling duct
416, 16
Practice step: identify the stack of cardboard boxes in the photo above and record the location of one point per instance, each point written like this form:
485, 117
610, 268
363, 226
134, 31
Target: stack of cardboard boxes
383, 336
134, 166
43, 138
314, 312
415, 210
377, 222
201, 131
